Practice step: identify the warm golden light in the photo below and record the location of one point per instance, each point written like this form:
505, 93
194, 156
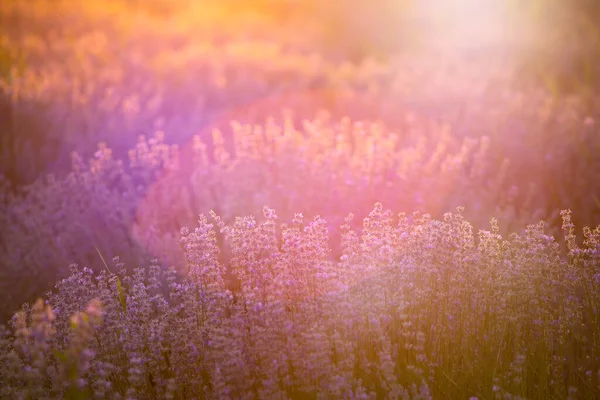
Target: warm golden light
465, 23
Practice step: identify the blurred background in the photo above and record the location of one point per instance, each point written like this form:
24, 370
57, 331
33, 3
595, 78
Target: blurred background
62, 60
159, 45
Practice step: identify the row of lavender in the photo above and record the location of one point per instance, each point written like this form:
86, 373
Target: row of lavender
326, 167
416, 308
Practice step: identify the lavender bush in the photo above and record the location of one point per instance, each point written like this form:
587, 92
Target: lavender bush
326, 167
415, 308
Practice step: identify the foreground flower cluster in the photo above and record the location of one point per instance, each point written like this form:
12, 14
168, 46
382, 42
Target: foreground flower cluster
416, 308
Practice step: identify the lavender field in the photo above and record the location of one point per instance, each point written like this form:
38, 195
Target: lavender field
294, 199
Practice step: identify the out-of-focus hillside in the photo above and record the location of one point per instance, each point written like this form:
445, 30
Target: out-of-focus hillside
68, 69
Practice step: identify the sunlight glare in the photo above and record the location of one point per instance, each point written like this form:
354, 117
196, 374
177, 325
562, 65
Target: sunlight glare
464, 23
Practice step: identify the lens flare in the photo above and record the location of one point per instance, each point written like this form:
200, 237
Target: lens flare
464, 23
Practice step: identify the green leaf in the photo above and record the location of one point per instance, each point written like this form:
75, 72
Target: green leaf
119, 286
121, 295
61, 356
102, 258
74, 393
84, 317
